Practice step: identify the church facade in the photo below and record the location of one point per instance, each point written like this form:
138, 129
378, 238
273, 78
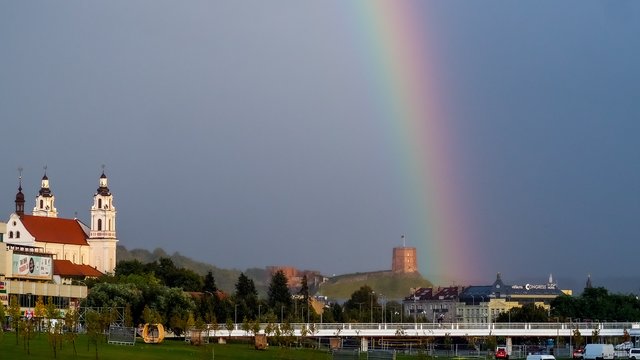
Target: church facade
67, 239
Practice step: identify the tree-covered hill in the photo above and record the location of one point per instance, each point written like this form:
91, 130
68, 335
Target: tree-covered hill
225, 278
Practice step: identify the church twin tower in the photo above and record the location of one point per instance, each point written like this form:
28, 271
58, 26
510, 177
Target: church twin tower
68, 239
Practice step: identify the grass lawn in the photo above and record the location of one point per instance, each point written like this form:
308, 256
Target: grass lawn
171, 349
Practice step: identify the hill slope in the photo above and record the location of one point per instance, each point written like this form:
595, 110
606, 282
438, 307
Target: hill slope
225, 278
392, 286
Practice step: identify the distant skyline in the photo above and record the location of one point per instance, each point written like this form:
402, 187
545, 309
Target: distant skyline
497, 137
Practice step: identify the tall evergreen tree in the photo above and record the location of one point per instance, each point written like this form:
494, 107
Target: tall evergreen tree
304, 289
210, 283
306, 300
279, 295
246, 298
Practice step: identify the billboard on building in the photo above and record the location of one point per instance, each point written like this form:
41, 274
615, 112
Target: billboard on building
30, 266
4, 298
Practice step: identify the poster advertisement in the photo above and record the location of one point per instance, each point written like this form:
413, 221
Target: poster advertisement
32, 266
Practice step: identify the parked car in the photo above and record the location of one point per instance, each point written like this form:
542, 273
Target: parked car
624, 346
501, 353
599, 352
634, 353
578, 353
540, 357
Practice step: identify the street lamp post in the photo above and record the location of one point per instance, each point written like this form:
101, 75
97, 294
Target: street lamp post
235, 313
371, 297
384, 310
415, 310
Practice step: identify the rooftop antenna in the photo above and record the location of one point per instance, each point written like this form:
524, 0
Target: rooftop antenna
103, 166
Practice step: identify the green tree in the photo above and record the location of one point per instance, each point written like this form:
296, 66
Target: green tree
40, 311
360, 305
71, 321
597, 304
306, 301
491, 342
172, 276
246, 325
577, 338
15, 313
229, 326
210, 283
129, 267
304, 289
179, 323
151, 316
279, 295
54, 333
128, 316
26, 330
93, 325
335, 314
139, 291
525, 313
3, 316
246, 298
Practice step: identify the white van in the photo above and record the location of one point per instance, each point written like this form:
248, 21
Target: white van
634, 353
598, 352
541, 357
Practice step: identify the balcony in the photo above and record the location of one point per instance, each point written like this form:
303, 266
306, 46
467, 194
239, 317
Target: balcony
102, 234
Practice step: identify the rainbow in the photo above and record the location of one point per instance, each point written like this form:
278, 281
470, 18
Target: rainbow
401, 63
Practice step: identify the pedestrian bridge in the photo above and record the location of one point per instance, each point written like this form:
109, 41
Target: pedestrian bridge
386, 330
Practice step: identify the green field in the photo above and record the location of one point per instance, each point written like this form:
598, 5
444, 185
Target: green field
171, 349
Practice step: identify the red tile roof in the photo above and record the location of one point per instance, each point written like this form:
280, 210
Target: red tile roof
55, 230
66, 268
90, 271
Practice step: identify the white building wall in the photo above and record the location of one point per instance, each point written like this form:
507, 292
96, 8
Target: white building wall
103, 254
17, 234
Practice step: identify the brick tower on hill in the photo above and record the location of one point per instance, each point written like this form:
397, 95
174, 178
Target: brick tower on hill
405, 259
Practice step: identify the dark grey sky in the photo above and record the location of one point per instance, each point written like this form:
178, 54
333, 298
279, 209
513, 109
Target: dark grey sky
239, 133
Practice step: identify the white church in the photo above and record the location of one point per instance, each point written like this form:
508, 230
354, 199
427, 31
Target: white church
67, 239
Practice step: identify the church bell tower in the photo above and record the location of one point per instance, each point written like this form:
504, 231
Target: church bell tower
45, 201
102, 237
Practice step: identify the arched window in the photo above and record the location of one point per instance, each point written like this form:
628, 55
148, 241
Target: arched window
99, 203
10, 234
99, 224
41, 204
17, 234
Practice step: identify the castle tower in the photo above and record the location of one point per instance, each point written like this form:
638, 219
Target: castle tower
404, 259
102, 237
45, 201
